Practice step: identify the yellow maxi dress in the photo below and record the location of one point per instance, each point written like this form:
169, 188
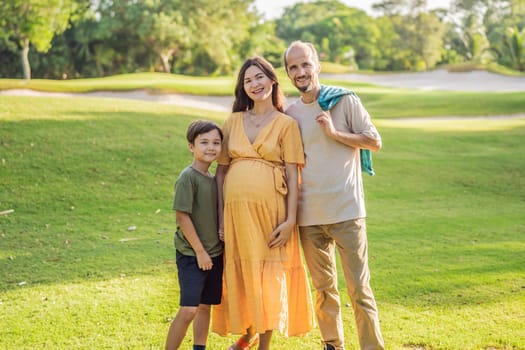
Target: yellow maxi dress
263, 288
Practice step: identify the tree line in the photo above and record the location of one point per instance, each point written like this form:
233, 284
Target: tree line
75, 38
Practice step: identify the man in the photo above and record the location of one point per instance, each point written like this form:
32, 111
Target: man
332, 208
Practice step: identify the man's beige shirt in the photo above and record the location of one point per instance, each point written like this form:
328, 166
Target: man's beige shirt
332, 184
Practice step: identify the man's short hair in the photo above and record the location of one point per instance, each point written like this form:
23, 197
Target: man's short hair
300, 43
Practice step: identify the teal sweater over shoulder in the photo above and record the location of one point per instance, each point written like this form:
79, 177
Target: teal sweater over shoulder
328, 98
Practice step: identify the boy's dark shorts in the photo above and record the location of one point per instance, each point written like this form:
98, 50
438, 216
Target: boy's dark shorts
198, 286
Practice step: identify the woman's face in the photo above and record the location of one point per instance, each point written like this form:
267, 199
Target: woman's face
257, 85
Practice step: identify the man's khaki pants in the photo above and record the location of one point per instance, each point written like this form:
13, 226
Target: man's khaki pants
319, 244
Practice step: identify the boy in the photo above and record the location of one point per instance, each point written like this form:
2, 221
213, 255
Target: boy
198, 248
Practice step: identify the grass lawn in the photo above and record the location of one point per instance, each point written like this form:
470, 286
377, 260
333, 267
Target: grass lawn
381, 102
87, 260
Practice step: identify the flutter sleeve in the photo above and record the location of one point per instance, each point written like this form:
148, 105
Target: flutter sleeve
291, 142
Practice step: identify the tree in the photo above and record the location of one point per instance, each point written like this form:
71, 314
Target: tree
34, 22
195, 37
515, 44
389, 7
262, 41
505, 28
429, 39
400, 7
480, 26
219, 29
162, 29
291, 26
418, 41
341, 34
349, 38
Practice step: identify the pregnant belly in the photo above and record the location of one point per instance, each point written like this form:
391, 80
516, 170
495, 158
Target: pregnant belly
250, 180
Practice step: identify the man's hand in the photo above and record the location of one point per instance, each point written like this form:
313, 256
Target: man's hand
325, 122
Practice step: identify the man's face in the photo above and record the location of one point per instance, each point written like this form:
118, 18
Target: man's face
303, 70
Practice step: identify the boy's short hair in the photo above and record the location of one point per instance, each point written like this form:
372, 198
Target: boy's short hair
198, 127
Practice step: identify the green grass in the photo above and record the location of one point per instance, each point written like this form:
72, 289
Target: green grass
381, 102
335, 68
396, 103
153, 82
445, 227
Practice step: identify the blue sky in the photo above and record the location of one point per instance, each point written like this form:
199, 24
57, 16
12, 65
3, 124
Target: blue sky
273, 8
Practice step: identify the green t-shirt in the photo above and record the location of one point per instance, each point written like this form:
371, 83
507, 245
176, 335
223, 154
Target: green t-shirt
196, 194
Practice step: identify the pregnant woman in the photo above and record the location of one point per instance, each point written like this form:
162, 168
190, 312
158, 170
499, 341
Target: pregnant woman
265, 283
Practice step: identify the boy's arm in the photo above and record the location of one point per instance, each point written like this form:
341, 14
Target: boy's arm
188, 229
219, 178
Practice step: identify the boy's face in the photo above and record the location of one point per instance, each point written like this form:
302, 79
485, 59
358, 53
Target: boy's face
206, 147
